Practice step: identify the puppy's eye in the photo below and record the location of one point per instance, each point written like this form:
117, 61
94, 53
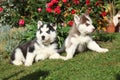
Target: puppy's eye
40, 31
118, 17
48, 31
87, 24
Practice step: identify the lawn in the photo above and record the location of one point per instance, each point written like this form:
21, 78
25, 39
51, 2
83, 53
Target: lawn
88, 65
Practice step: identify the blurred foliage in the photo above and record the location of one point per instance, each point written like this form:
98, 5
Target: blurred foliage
10, 38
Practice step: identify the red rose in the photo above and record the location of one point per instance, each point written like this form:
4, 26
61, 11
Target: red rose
70, 23
89, 10
54, 1
73, 11
49, 10
21, 22
87, 2
1, 9
39, 9
97, 3
64, 1
76, 1
50, 4
104, 13
57, 10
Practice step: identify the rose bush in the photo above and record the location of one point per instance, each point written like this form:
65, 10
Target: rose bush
28, 12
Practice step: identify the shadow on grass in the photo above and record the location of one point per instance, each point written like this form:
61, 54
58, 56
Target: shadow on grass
13, 75
118, 77
39, 75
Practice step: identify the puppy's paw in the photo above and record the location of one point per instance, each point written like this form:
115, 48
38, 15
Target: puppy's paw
67, 58
62, 57
28, 64
103, 50
17, 63
56, 56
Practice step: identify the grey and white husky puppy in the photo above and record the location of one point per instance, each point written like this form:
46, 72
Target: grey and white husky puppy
79, 38
42, 47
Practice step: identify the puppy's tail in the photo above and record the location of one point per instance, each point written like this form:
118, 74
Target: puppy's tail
12, 57
62, 49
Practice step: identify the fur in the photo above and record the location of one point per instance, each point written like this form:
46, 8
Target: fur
116, 21
79, 38
42, 47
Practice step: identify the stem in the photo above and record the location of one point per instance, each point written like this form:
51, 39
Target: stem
111, 12
113, 7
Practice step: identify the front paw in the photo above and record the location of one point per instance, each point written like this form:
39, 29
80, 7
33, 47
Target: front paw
28, 64
103, 50
67, 58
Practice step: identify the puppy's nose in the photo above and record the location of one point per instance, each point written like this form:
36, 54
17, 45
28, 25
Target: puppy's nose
93, 29
43, 37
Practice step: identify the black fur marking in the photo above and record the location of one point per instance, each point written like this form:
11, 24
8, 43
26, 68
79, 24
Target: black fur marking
40, 27
87, 24
48, 31
40, 31
31, 48
37, 43
50, 27
24, 47
13, 55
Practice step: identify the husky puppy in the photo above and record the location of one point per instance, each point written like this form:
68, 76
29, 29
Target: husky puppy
79, 38
42, 47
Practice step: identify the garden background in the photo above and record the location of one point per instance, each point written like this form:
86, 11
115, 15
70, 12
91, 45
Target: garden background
18, 20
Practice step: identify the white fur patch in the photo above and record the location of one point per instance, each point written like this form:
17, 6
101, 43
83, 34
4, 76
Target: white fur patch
115, 19
19, 58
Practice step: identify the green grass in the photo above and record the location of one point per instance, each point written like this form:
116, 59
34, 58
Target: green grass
88, 65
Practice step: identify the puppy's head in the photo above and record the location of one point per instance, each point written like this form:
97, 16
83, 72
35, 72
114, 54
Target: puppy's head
84, 24
46, 32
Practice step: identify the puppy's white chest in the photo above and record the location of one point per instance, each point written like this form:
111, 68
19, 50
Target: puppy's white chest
80, 39
84, 39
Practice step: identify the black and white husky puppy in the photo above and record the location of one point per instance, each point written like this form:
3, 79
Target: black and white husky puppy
42, 47
79, 38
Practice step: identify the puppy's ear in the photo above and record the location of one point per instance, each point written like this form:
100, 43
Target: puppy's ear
86, 13
54, 25
39, 24
76, 19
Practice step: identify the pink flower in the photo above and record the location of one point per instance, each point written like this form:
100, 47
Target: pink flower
64, 1
57, 10
89, 8
70, 23
1, 9
21, 22
73, 11
39, 9
48, 9
87, 2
